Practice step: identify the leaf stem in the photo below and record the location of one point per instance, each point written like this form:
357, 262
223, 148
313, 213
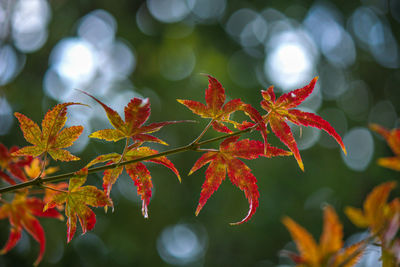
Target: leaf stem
124, 151
43, 167
192, 146
203, 132
54, 189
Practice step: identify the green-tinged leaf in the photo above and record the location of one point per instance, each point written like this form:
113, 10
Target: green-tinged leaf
52, 138
76, 202
108, 135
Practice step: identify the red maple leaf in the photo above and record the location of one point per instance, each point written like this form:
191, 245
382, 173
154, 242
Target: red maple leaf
21, 213
137, 113
12, 164
281, 110
215, 108
137, 171
226, 161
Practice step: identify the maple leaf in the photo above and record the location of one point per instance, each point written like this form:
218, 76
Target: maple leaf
137, 171
137, 113
215, 108
76, 200
281, 110
52, 138
376, 211
226, 161
392, 137
12, 164
329, 252
382, 219
21, 213
34, 169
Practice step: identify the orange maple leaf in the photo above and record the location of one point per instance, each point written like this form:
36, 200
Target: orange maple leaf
76, 200
51, 139
329, 252
392, 137
382, 219
377, 211
226, 161
34, 169
21, 213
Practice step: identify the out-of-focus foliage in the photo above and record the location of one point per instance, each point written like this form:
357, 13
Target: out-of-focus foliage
392, 137
329, 251
157, 49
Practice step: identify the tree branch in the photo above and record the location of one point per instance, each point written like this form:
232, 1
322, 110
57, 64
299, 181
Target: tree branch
192, 146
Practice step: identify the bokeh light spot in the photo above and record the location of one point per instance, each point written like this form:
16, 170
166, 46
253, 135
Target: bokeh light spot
181, 244
290, 60
74, 59
207, 10
168, 10
98, 28
177, 63
360, 148
6, 118
355, 101
338, 120
383, 113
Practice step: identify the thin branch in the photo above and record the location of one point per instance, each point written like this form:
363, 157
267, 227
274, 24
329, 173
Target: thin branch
192, 146
54, 189
207, 150
203, 132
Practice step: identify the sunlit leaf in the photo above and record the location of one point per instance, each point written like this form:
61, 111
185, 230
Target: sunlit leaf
137, 113
77, 199
52, 138
280, 111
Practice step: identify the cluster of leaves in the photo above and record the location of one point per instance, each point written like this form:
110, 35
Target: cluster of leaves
380, 217
29, 165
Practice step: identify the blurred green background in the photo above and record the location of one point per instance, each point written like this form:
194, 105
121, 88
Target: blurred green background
158, 49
